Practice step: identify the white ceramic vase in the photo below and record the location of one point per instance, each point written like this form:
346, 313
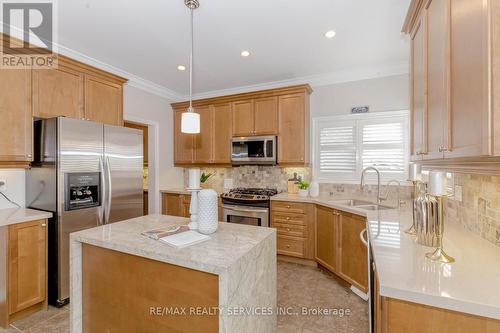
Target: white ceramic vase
314, 188
303, 193
207, 212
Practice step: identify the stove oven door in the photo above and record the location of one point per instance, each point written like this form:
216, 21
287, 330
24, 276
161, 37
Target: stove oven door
258, 216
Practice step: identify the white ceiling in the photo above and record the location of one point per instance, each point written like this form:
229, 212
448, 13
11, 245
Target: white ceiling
148, 39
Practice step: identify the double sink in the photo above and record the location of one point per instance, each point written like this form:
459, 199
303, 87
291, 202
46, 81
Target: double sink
360, 204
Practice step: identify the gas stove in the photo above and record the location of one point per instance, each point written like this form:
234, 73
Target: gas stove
248, 196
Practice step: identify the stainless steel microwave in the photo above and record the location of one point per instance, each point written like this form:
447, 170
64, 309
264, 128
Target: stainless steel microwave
254, 150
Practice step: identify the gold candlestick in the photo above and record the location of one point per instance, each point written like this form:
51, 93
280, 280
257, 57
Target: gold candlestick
439, 254
412, 230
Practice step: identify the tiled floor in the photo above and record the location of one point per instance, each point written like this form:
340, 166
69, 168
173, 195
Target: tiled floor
53, 320
298, 286
303, 286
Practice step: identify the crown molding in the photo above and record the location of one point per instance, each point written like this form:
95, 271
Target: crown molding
318, 80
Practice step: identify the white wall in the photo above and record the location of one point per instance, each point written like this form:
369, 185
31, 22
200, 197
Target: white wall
144, 107
382, 94
15, 187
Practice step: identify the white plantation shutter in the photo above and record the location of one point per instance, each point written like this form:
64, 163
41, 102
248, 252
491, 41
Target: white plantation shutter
345, 145
337, 153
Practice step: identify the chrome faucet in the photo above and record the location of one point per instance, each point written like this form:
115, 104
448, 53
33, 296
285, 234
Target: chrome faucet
362, 185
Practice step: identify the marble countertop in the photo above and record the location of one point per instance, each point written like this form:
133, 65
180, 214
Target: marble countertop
469, 285
177, 190
227, 245
19, 215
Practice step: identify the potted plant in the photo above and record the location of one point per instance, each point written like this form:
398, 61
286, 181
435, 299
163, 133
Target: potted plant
303, 188
204, 178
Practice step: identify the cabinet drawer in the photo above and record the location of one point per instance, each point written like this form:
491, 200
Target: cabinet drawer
291, 246
278, 217
289, 207
290, 229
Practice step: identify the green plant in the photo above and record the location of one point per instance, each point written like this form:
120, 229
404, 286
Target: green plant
303, 185
204, 177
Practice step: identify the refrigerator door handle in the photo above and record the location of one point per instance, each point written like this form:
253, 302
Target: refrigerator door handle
109, 188
102, 209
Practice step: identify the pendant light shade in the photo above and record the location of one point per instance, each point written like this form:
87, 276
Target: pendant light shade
190, 121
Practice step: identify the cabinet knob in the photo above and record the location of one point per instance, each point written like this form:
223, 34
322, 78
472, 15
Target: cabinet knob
287, 229
288, 206
43, 225
30, 156
288, 246
288, 218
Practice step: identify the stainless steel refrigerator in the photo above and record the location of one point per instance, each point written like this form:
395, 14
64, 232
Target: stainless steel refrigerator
88, 174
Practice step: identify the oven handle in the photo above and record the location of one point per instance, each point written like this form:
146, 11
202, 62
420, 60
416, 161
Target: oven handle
242, 209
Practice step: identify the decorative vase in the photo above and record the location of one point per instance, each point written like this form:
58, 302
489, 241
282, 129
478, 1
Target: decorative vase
314, 188
207, 211
303, 193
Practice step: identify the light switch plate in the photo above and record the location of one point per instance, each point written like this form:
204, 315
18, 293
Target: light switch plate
3, 185
458, 193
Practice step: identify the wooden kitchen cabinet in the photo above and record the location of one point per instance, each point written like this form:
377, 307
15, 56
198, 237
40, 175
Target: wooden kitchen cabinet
24, 252
294, 223
103, 101
327, 225
283, 112
16, 114
222, 132
183, 143
418, 89
293, 139
58, 92
176, 204
454, 80
353, 256
243, 118
203, 142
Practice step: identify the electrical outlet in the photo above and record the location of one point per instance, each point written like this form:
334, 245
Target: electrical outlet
3, 185
458, 193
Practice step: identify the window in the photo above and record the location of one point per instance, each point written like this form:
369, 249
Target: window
345, 145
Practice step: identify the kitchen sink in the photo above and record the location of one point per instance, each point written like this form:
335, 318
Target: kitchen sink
351, 202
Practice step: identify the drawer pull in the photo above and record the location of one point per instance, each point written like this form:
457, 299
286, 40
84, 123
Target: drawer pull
288, 206
288, 246
287, 229
43, 225
288, 218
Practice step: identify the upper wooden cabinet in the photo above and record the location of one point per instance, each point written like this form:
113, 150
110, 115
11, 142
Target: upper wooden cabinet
243, 118
103, 101
222, 122
455, 79
283, 112
58, 92
293, 139
16, 114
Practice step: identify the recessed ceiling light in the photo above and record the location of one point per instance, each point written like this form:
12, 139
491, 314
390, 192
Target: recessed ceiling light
245, 53
330, 34
181, 68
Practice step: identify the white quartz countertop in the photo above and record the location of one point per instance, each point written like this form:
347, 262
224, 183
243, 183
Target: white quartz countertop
177, 190
225, 248
469, 285
19, 215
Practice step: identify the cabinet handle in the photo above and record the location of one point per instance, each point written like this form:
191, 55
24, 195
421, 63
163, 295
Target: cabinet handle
30, 156
288, 206
442, 149
287, 229
288, 246
362, 237
288, 218
43, 225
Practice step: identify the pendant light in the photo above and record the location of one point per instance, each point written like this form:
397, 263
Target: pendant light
190, 121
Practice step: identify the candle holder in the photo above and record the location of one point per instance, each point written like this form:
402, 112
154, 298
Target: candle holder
412, 230
439, 254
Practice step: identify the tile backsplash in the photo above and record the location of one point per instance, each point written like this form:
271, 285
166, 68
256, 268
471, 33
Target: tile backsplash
479, 210
252, 176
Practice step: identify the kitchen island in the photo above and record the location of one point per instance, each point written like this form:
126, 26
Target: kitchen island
122, 281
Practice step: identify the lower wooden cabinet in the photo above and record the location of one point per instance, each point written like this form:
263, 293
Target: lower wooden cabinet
339, 247
23, 279
327, 225
294, 223
176, 204
353, 256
